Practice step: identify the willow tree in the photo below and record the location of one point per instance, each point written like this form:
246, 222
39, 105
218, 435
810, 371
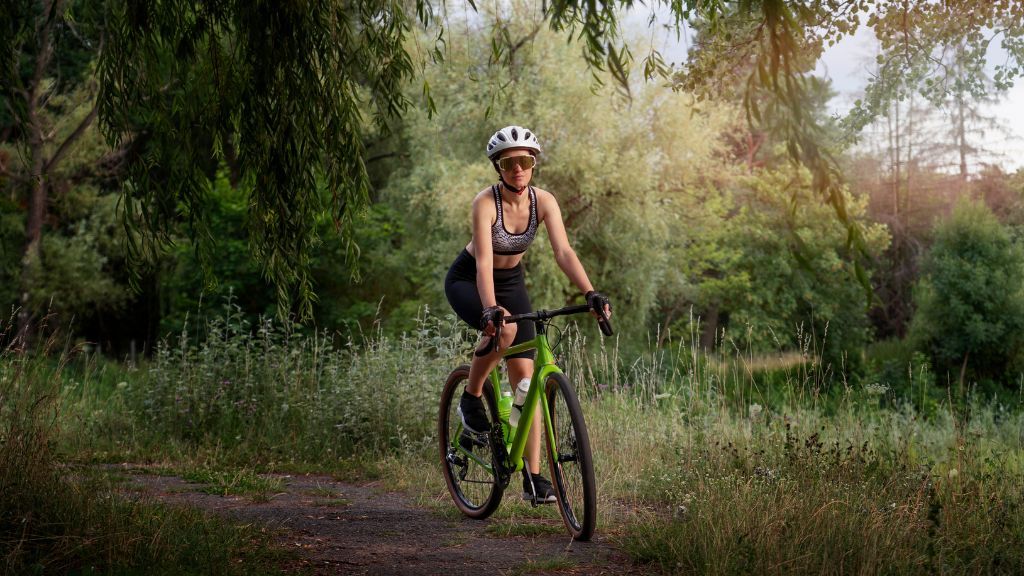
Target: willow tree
274, 91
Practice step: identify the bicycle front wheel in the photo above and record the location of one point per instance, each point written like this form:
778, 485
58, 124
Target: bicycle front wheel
572, 465
467, 459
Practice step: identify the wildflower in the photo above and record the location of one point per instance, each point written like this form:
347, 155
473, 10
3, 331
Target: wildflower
122, 385
755, 411
953, 473
876, 389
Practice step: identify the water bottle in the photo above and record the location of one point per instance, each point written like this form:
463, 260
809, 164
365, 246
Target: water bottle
517, 405
505, 405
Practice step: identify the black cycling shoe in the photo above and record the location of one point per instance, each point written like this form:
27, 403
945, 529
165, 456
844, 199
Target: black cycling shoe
545, 493
474, 416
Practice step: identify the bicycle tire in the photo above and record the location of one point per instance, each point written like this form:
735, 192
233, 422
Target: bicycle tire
572, 471
475, 490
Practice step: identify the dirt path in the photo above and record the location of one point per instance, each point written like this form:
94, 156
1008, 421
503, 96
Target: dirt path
341, 528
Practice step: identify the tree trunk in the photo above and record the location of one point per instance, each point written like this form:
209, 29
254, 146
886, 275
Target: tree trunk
37, 178
31, 261
709, 328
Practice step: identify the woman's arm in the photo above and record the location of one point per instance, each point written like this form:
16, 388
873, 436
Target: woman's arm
565, 256
484, 213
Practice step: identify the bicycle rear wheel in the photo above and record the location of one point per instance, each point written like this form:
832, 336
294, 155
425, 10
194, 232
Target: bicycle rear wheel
467, 459
572, 465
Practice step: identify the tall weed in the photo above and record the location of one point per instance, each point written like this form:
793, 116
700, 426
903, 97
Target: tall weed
56, 518
718, 462
268, 394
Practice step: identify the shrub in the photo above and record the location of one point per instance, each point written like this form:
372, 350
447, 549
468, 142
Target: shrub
970, 303
58, 519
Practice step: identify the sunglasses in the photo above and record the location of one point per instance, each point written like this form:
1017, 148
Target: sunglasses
508, 163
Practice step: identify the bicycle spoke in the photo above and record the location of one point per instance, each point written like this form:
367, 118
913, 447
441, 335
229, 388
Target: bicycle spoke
571, 466
467, 457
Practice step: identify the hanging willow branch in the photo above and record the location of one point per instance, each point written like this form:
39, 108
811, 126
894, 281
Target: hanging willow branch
778, 43
281, 87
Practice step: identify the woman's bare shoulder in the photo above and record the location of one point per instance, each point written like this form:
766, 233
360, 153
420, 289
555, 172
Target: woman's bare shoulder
545, 199
486, 193
483, 204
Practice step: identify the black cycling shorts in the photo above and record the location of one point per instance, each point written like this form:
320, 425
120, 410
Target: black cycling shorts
509, 291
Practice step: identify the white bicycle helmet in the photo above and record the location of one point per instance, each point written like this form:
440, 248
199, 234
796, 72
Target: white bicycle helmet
512, 137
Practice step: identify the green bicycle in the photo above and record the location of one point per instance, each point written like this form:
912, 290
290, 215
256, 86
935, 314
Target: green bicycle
478, 467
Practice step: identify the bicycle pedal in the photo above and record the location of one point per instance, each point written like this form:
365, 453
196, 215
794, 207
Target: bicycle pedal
535, 501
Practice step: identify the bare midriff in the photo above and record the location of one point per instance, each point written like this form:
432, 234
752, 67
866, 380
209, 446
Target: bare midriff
499, 260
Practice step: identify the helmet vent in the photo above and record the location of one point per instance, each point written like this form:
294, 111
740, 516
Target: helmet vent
502, 137
515, 134
527, 135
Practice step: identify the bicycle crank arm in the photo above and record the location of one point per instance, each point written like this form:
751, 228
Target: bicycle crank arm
501, 469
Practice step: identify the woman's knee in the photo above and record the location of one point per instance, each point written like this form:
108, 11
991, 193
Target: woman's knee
508, 335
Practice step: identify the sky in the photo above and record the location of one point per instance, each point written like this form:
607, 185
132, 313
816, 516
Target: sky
848, 64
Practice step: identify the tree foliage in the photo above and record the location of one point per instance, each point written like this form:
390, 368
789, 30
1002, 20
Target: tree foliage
664, 215
48, 49
274, 90
970, 301
789, 282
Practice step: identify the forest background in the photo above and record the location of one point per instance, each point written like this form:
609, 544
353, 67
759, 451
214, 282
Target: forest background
221, 261
693, 219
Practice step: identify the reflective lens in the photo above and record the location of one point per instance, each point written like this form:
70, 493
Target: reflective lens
509, 163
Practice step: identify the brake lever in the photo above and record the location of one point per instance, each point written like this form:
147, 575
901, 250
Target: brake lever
604, 323
492, 344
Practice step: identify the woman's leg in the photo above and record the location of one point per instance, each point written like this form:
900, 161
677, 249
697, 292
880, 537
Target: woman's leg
519, 368
481, 366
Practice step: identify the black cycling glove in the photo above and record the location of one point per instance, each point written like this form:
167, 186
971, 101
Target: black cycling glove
491, 313
597, 301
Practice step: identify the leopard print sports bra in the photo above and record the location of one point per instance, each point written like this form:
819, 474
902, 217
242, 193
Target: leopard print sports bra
505, 242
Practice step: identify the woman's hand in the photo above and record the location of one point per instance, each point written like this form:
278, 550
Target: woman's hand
601, 309
598, 301
490, 320
491, 313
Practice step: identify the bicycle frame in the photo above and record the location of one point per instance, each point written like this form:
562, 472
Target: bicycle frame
543, 367
476, 478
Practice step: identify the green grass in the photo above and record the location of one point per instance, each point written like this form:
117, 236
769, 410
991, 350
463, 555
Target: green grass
705, 463
546, 566
239, 482
515, 527
57, 519
791, 492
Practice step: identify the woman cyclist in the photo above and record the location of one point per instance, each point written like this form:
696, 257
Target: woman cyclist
487, 276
